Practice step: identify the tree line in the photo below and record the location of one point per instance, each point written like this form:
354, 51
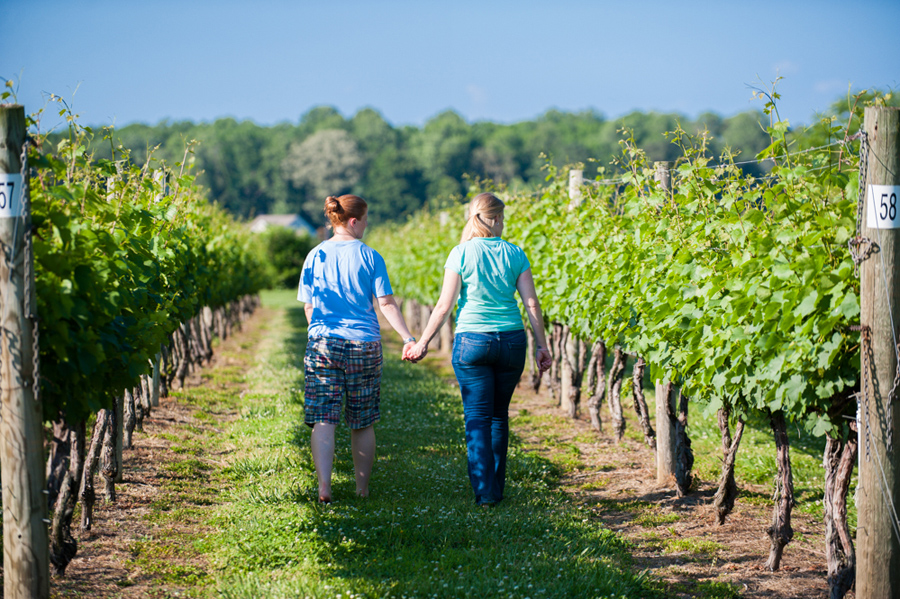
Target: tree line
250, 169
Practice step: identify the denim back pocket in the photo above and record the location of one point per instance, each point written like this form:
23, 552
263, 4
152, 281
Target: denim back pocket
471, 350
516, 348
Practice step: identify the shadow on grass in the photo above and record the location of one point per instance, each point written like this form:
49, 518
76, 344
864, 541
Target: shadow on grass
419, 533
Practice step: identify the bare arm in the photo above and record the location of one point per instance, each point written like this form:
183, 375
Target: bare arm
308, 310
391, 311
449, 295
525, 286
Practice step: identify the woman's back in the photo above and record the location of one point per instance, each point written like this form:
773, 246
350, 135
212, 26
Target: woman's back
339, 280
489, 268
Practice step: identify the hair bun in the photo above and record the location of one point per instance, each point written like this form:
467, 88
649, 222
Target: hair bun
333, 205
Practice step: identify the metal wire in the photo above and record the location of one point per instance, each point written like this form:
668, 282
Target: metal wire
885, 489
30, 297
861, 247
624, 180
866, 359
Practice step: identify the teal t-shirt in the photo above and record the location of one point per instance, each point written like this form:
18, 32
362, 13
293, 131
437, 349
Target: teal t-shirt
489, 268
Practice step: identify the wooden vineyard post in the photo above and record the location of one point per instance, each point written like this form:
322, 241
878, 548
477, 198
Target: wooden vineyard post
446, 332
424, 316
576, 180
26, 553
119, 407
154, 389
878, 531
665, 427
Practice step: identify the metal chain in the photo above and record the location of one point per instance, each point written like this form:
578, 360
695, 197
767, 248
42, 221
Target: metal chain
863, 175
30, 299
890, 406
861, 247
865, 351
892, 397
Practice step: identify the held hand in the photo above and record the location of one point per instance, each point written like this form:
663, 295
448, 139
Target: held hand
543, 359
415, 352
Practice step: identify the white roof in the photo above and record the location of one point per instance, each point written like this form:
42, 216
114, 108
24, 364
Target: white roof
291, 221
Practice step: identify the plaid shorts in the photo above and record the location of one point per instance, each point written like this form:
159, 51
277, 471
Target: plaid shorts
333, 367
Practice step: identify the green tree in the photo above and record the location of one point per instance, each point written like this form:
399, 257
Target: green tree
320, 118
283, 253
442, 148
328, 162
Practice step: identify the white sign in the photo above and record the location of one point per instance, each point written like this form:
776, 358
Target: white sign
10, 195
883, 211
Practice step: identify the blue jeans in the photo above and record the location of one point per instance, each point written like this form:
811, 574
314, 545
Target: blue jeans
488, 367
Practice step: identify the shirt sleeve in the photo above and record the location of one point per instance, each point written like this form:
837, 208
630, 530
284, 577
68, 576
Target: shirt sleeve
305, 289
381, 283
525, 263
454, 261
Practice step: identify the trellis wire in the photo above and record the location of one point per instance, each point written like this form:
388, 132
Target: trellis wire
625, 180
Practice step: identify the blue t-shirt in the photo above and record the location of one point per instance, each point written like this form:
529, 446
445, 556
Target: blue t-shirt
339, 279
489, 268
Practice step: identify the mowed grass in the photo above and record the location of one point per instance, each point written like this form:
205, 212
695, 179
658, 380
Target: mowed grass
419, 534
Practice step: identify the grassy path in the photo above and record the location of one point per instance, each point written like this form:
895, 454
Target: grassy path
419, 534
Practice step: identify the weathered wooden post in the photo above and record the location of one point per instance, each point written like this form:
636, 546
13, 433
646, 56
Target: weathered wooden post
26, 557
878, 531
576, 180
447, 335
154, 389
571, 360
665, 428
424, 316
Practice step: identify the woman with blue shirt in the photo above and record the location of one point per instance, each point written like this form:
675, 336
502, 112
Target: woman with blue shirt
483, 273
343, 354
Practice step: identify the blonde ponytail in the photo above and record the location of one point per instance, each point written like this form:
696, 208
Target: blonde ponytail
484, 210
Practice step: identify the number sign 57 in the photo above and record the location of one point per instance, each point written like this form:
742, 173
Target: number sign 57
10, 195
883, 212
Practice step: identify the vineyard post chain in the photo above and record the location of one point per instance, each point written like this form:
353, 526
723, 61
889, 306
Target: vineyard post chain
26, 556
878, 531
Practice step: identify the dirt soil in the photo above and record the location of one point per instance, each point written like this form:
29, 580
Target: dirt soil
613, 475
610, 475
105, 564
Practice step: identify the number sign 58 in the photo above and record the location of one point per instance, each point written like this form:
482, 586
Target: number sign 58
10, 195
883, 212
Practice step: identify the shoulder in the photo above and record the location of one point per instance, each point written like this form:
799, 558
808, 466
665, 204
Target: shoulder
313, 252
369, 256
367, 251
512, 248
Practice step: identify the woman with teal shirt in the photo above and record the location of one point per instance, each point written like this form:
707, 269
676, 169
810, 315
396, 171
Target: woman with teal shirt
483, 273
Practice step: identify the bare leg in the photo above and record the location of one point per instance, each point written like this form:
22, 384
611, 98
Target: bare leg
362, 443
322, 445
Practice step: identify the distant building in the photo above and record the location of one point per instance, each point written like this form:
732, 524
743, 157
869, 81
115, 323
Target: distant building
291, 221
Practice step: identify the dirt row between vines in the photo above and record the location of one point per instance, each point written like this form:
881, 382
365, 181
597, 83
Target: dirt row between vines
106, 565
609, 475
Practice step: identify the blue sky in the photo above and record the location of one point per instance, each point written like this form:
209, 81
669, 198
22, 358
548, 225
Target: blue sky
504, 61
